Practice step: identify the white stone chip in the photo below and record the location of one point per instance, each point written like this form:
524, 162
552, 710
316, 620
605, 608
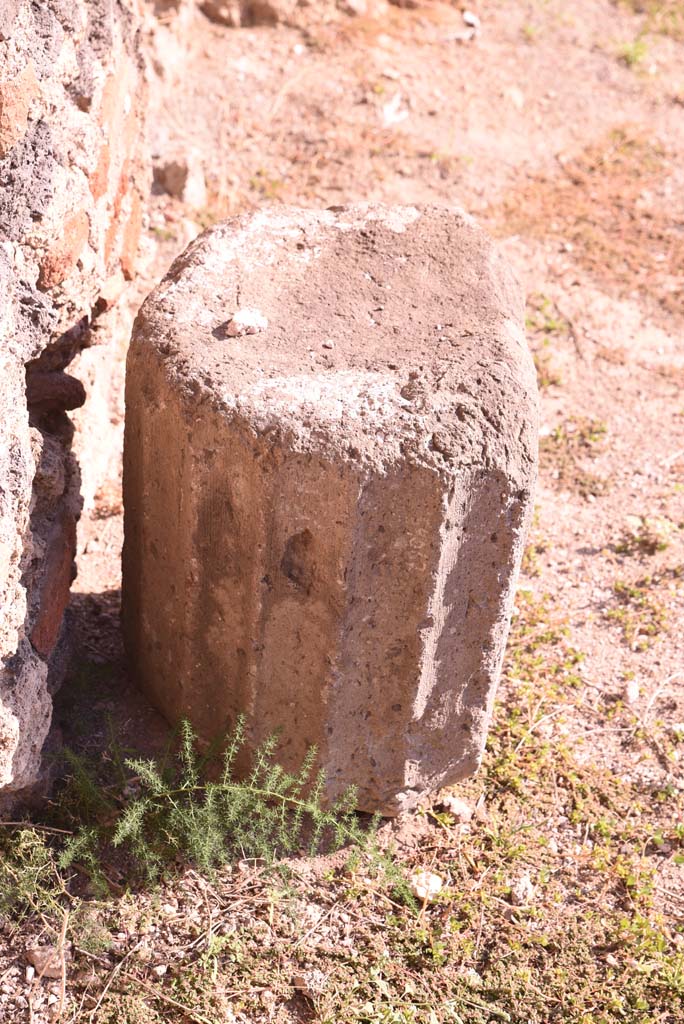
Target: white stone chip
471, 20
246, 321
522, 890
632, 691
426, 885
461, 811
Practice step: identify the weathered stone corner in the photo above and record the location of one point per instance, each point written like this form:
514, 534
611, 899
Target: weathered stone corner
329, 464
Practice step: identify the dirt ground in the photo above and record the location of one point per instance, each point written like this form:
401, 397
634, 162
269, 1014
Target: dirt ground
561, 127
566, 152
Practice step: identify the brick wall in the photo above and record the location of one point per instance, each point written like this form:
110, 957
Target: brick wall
73, 183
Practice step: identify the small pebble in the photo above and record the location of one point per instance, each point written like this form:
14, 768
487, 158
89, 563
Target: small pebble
473, 978
516, 96
425, 885
246, 321
631, 691
522, 890
460, 810
472, 20
46, 960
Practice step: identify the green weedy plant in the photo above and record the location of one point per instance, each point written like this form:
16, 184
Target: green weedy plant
170, 813
176, 813
30, 881
634, 53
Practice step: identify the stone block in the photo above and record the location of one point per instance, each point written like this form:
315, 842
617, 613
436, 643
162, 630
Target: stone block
182, 176
330, 457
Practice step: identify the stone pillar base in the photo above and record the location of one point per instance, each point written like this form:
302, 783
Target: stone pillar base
329, 463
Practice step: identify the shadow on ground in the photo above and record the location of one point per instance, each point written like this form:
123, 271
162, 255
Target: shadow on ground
98, 705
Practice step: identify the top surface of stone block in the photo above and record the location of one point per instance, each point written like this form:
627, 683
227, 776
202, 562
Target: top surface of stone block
374, 333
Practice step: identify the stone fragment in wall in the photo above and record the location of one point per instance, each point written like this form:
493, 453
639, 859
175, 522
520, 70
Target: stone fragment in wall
17, 95
327, 539
182, 176
110, 292
267, 12
9, 9
64, 251
57, 575
53, 391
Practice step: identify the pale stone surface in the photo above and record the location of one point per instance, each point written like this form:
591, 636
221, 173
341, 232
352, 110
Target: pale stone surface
325, 519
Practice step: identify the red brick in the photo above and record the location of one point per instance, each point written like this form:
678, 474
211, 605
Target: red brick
55, 586
16, 97
99, 179
111, 101
65, 250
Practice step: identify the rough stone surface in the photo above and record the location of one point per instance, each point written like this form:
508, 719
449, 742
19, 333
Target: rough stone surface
223, 12
72, 180
235, 13
249, 12
182, 176
324, 519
